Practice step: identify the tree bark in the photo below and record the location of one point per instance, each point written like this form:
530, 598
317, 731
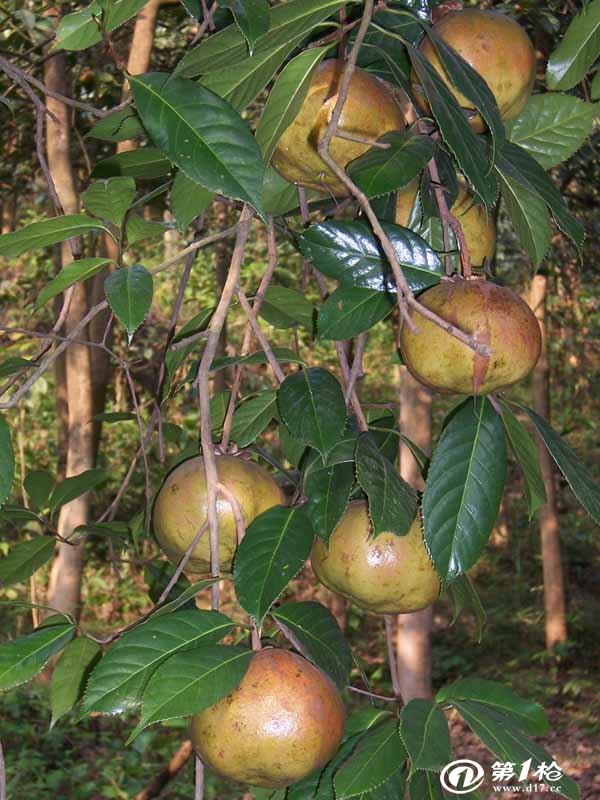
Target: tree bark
413, 638
65, 578
554, 591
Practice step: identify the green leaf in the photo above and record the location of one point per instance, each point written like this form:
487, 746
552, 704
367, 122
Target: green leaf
327, 488
47, 232
7, 462
188, 200
381, 171
117, 127
455, 130
189, 682
283, 308
185, 596
73, 273
552, 127
464, 487
279, 196
274, 549
529, 216
23, 658
109, 199
377, 757
350, 311
143, 162
315, 631
312, 405
13, 364
424, 731
392, 502
425, 786
80, 30
118, 682
285, 99
252, 417
283, 354
38, 484
585, 489
465, 597
202, 135
508, 742
525, 450
129, 294
579, 48
595, 87
253, 18
350, 253
25, 558
139, 229
70, 488
528, 715
18, 514
70, 675
110, 417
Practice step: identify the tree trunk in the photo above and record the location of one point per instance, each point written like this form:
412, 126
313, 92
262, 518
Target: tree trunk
9, 210
554, 592
65, 578
413, 638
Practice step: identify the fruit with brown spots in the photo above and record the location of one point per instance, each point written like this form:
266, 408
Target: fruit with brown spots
478, 227
181, 507
497, 48
370, 110
494, 315
387, 574
283, 722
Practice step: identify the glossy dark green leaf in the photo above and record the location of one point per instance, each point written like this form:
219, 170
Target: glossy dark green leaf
312, 405
47, 232
528, 715
201, 133
184, 598
7, 462
81, 30
455, 130
526, 453
424, 731
76, 485
25, 558
38, 484
117, 683
464, 487
392, 502
253, 18
73, 273
252, 417
465, 598
21, 659
327, 488
283, 308
529, 216
425, 786
585, 489
143, 162
70, 675
314, 630
377, 757
117, 127
189, 682
381, 171
350, 253
285, 99
129, 293
578, 50
350, 311
109, 199
188, 200
274, 549
283, 354
552, 127
157, 575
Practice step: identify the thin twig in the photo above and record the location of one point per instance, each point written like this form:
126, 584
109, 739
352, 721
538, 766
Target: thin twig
389, 636
372, 695
199, 779
354, 137
182, 564
262, 339
357, 365
2, 775
176, 762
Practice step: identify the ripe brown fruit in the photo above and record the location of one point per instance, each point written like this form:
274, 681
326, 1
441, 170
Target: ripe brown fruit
497, 48
494, 315
387, 574
370, 111
181, 507
479, 229
283, 722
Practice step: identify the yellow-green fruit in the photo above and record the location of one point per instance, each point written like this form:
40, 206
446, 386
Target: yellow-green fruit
494, 316
478, 228
181, 507
370, 111
387, 574
283, 722
497, 48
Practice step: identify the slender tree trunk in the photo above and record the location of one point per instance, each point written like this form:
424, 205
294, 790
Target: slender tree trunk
554, 591
413, 639
9, 210
65, 578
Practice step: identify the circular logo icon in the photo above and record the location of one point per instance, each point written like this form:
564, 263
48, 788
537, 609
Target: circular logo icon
462, 776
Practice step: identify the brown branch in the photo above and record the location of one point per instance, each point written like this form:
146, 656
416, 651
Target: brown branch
262, 339
372, 695
199, 779
158, 783
182, 564
357, 365
353, 137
